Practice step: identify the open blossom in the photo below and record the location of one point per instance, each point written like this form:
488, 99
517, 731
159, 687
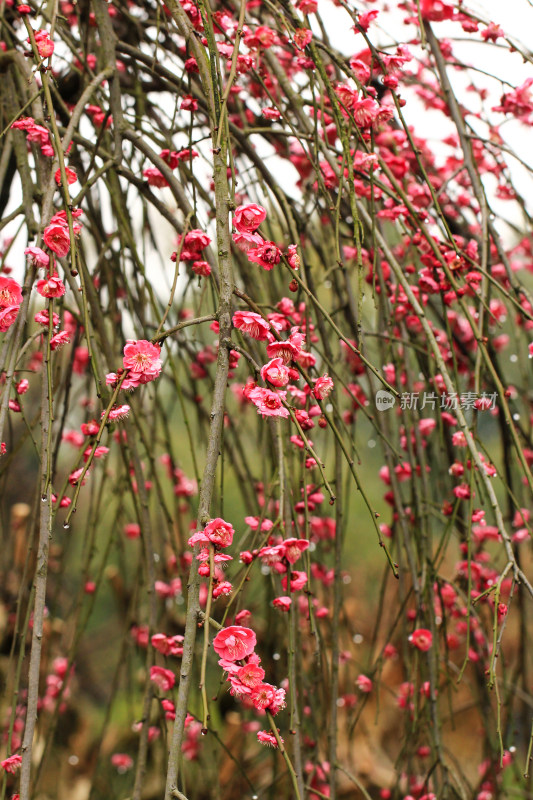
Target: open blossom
251, 323
267, 255
275, 372
245, 240
421, 639
163, 678
322, 387
289, 349
38, 256
219, 532
11, 764
154, 177
45, 46
57, 238
263, 695
234, 643
283, 603
293, 549
59, 340
268, 403
268, 738
8, 316
118, 412
251, 675
142, 359
51, 287
70, 175
10, 292
298, 580
248, 218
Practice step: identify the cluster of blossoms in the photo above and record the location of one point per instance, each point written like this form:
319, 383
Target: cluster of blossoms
285, 355
10, 300
216, 536
190, 249
141, 364
236, 645
246, 221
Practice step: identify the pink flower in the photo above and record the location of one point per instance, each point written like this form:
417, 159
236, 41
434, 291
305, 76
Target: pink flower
263, 695
275, 372
222, 589
142, 359
268, 403
219, 532
271, 113
45, 46
59, 340
234, 643
122, 762
249, 218
11, 764
118, 412
201, 268
364, 684
322, 387
302, 37
163, 678
365, 112
268, 738
154, 177
70, 173
251, 323
38, 256
57, 238
283, 603
245, 240
132, 530
294, 548
298, 580
251, 675
7, 317
10, 293
51, 287
422, 639
267, 255
197, 240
